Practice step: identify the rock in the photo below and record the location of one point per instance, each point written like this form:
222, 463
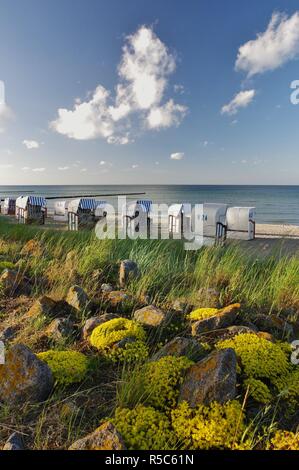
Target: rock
77, 298
12, 283
212, 379
273, 323
150, 316
93, 322
214, 336
24, 377
106, 437
116, 297
128, 271
60, 328
106, 287
222, 319
48, 307
14, 442
8, 333
181, 347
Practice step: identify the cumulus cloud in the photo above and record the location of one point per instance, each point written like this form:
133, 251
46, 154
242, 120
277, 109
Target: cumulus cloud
240, 100
143, 71
272, 48
38, 170
63, 168
31, 144
168, 115
177, 156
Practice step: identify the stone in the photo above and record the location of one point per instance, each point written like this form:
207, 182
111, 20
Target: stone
116, 297
150, 316
8, 333
212, 379
180, 346
273, 323
221, 334
14, 442
43, 306
106, 437
60, 328
12, 283
106, 287
77, 298
93, 322
128, 271
24, 377
222, 319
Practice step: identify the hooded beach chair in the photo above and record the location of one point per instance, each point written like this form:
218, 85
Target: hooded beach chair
136, 217
240, 222
30, 209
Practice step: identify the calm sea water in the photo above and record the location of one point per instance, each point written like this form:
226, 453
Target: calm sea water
274, 204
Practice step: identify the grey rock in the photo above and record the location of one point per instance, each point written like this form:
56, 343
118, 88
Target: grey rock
77, 298
180, 346
150, 316
128, 270
24, 377
14, 442
222, 319
212, 379
60, 328
106, 437
93, 322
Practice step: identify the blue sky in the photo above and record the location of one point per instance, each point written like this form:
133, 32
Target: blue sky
149, 91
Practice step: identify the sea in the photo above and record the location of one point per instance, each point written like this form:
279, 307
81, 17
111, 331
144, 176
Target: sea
274, 204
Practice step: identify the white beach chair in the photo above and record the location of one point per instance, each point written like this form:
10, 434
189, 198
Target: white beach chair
30, 209
179, 219
240, 222
9, 206
211, 222
82, 213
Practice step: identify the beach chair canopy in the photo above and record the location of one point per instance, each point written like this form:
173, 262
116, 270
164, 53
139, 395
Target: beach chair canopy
100, 208
145, 205
83, 204
9, 202
37, 201
132, 207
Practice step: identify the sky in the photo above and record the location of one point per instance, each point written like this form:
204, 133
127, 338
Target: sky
149, 92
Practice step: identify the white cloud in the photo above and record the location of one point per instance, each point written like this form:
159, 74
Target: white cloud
144, 70
25, 168
63, 168
38, 170
31, 144
179, 89
240, 100
272, 48
135, 166
167, 115
177, 156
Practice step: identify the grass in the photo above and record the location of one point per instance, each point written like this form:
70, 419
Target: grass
262, 284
